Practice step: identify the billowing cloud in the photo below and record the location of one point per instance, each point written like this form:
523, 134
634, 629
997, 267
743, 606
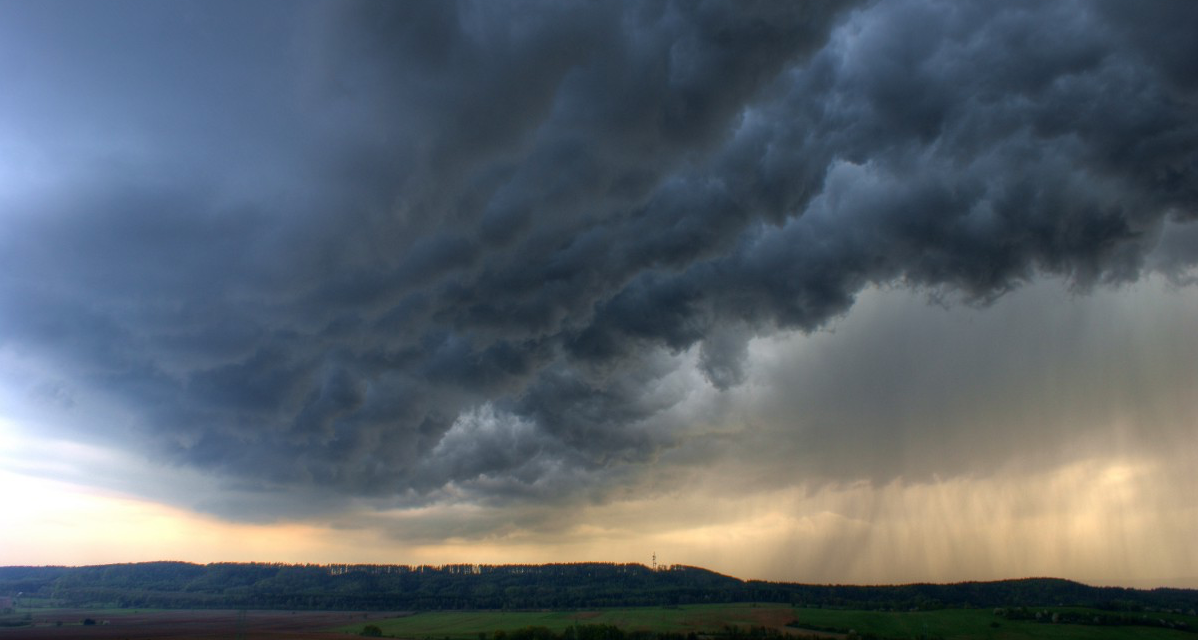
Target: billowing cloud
494, 253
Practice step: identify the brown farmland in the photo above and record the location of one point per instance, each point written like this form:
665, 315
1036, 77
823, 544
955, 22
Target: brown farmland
189, 624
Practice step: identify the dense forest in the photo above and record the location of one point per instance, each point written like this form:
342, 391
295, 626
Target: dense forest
552, 586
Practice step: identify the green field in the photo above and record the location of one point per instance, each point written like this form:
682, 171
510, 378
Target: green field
977, 624
947, 623
459, 625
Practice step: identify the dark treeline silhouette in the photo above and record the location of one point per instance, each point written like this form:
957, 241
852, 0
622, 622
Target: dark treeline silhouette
553, 586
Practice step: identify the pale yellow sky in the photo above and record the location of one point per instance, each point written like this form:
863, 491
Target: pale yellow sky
1097, 521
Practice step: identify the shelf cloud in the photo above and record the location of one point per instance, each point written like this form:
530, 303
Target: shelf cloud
539, 253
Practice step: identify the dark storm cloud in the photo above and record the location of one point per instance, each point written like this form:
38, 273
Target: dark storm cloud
457, 249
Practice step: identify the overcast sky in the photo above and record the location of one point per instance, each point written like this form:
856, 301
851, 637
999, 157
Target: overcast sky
812, 291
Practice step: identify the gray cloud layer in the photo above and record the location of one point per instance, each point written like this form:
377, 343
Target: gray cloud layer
426, 250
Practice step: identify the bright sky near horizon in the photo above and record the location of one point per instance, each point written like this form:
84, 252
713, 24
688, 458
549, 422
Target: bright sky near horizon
867, 292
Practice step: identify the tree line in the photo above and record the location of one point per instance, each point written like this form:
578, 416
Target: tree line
552, 586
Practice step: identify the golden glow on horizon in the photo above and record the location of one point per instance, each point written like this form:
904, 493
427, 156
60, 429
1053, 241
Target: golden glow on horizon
1094, 521
49, 522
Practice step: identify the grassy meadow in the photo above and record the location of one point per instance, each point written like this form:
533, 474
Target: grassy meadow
713, 619
978, 624
466, 625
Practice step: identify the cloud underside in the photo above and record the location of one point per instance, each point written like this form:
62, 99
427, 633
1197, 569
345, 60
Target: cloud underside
474, 253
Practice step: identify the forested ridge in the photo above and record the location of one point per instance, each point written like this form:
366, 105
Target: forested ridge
551, 586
